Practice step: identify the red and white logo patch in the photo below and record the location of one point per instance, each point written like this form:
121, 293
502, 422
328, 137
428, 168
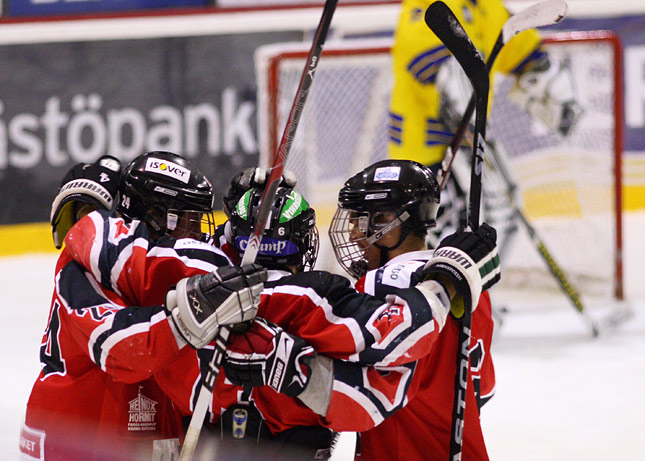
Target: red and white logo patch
32, 443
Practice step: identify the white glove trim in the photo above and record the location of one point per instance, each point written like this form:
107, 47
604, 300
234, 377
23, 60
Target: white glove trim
489, 260
85, 187
437, 298
460, 264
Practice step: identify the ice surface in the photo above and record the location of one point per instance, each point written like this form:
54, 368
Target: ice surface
561, 395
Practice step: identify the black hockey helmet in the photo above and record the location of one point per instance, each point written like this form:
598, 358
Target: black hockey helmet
290, 238
168, 193
92, 184
375, 201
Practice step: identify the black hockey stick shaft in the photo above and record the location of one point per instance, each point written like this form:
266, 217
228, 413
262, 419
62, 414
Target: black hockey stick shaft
540, 14
442, 21
445, 25
206, 392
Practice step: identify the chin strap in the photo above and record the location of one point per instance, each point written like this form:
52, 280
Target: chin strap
405, 231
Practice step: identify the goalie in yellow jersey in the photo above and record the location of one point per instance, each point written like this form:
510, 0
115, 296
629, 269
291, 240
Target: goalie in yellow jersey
427, 80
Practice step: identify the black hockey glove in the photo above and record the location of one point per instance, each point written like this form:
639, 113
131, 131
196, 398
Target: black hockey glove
268, 355
228, 296
92, 184
248, 179
470, 262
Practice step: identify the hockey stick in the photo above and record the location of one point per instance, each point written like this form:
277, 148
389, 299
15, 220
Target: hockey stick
541, 14
442, 21
206, 391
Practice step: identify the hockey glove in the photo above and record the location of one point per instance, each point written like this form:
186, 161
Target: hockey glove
470, 262
248, 179
228, 296
546, 92
92, 184
268, 355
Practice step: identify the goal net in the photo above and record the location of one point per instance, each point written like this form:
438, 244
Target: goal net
568, 188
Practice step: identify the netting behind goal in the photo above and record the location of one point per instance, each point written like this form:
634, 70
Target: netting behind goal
569, 188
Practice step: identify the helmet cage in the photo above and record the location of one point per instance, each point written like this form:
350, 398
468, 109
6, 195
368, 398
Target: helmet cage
351, 232
374, 202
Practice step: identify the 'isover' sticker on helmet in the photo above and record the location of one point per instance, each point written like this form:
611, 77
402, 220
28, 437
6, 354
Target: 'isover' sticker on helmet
387, 173
166, 168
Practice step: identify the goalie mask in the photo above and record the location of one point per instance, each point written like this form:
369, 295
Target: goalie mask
384, 196
290, 238
169, 194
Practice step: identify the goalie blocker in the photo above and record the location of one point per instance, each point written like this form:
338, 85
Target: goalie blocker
546, 91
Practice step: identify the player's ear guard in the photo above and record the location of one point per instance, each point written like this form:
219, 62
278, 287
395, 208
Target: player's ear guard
94, 184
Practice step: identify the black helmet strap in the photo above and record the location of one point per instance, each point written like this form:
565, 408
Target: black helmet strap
400, 220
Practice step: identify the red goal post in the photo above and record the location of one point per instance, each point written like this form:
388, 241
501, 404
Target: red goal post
570, 189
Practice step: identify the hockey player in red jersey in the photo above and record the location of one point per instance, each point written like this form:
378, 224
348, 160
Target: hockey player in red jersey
386, 255
341, 337
322, 307
402, 401
121, 258
99, 394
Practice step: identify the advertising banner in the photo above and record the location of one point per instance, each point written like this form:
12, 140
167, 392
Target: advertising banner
68, 102
64, 103
59, 7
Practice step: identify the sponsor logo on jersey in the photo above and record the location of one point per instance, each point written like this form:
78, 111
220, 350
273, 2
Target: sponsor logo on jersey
387, 173
170, 169
141, 414
394, 272
32, 443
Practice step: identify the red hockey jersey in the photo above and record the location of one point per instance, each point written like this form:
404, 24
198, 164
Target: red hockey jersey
421, 429
321, 307
97, 396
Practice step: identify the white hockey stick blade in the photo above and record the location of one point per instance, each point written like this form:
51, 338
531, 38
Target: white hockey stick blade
538, 15
615, 319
